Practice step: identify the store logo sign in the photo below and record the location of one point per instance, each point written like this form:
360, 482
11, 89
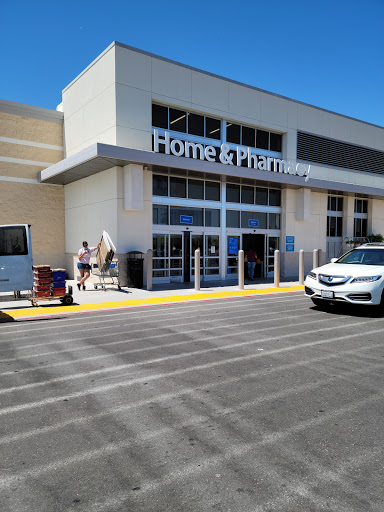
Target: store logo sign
197, 151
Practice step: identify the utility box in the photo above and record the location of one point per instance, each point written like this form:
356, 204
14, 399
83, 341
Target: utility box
135, 269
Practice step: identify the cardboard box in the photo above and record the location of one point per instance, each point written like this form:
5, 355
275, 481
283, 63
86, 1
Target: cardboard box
105, 253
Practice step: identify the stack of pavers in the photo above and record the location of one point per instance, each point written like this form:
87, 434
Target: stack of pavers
58, 282
42, 278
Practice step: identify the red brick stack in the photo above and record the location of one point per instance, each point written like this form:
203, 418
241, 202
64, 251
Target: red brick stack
42, 277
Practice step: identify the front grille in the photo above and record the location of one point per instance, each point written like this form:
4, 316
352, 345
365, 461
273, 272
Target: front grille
308, 291
333, 280
360, 296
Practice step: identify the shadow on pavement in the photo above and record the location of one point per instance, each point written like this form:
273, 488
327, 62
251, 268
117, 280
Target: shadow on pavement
5, 318
356, 311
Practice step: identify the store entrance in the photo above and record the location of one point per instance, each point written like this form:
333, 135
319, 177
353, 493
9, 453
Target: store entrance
257, 243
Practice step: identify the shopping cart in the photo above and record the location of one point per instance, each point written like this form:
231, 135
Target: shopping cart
106, 276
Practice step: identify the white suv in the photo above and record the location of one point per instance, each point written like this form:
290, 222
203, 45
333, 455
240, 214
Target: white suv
357, 277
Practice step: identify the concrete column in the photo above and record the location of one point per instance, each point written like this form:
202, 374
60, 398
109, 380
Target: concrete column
197, 269
133, 187
315, 262
241, 269
348, 216
149, 268
276, 269
301, 266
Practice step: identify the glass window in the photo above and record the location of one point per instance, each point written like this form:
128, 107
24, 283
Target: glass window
274, 220
335, 226
274, 197
275, 141
160, 246
247, 195
233, 219
160, 214
361, 206
178, 187
335, 204
176, 247
357, 227
233, 245
195, 124
261, 196
248, 136
339, 226
212, 218
160, 116
13, 241
233, 193
262, 139
212, 128
212, 191
159, 185
196, 189
364, 225
177, 120
331, 229
360, 228
212, 245
233, 133
249, 216
177, 212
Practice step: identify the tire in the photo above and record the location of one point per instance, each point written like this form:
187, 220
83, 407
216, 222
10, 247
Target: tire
67, 300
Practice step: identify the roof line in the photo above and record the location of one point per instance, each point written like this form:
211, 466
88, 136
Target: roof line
21, 109
220, 77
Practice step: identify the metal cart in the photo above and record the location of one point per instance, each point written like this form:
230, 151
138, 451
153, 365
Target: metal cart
66, 299
108, 275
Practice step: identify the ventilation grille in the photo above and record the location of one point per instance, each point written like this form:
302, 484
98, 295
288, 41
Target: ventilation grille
313, 148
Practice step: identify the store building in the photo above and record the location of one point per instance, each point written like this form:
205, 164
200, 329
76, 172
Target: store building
167, 157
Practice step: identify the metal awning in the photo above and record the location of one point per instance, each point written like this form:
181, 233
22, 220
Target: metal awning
100, 157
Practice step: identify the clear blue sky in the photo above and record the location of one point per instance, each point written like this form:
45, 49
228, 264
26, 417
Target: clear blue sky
327, 53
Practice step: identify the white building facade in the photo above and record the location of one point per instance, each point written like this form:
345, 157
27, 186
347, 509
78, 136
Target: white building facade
171, 158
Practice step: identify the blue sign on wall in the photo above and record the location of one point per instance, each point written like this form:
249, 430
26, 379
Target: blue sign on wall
186, 219
233, 245
253, 223
289, 239
289, 247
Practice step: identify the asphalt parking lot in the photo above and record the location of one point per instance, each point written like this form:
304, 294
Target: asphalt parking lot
258, 404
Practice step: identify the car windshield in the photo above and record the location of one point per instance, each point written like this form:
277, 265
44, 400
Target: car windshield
363, 257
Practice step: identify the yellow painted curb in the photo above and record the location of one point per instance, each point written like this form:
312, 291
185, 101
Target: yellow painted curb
44, 311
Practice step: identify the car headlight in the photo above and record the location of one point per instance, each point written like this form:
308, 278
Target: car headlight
312, 275
365, 279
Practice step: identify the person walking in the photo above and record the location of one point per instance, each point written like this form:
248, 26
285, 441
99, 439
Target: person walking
251, 262
83, 265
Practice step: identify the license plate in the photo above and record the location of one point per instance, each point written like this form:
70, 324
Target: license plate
327, 295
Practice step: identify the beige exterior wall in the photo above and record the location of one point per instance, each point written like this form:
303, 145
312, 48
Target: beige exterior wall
30, 129
29, 144
41, 206
89, 106
95, 204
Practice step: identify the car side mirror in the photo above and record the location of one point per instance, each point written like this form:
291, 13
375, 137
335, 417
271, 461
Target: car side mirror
334, 259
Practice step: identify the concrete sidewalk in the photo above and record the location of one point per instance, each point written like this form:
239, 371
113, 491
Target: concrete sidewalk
112, 298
